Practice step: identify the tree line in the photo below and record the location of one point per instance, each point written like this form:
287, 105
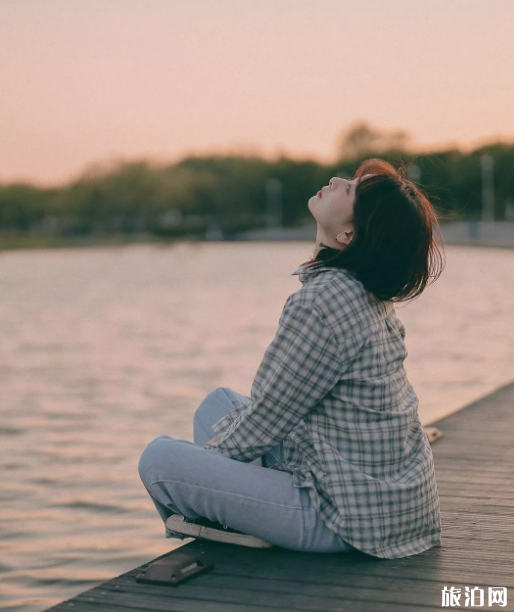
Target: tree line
186, 197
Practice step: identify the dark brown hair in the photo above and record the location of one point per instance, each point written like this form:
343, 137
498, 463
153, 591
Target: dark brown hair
393, 251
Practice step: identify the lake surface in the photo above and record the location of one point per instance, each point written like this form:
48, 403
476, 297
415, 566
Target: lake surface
104, 349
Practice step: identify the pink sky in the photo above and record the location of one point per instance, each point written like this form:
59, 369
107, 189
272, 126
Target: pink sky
88, 80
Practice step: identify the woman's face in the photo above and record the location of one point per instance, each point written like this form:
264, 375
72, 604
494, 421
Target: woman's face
332, 207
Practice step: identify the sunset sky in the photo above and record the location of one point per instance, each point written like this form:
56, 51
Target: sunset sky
86, 80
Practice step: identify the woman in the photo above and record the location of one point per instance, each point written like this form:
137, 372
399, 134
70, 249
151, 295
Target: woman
328, 453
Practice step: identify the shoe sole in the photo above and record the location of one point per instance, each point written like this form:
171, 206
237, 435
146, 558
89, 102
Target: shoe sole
433, 434
177, 523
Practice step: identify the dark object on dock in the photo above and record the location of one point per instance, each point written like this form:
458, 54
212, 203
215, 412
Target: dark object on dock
174, 570
433, 434
474, 468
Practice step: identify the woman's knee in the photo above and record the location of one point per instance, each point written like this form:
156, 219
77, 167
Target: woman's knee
154, 458
204, 410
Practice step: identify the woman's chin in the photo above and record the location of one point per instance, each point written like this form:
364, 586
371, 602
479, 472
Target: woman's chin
310, 204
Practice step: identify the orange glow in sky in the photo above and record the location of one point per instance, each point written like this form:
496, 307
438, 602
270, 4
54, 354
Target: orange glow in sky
100, 79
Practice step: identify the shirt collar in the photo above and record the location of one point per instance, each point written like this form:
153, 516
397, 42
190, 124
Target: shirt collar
305, 274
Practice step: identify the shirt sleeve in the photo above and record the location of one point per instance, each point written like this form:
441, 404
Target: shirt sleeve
300, 366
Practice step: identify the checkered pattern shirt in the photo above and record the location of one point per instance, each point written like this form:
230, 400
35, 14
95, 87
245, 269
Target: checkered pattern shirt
332, 386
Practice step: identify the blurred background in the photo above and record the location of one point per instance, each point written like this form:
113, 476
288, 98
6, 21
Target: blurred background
156, 159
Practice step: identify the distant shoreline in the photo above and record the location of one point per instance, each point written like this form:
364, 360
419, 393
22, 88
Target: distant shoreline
28, 241
496, 234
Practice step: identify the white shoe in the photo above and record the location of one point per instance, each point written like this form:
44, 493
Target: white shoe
210, 530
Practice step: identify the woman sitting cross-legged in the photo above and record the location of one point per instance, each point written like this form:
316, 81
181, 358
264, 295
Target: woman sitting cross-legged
327, 454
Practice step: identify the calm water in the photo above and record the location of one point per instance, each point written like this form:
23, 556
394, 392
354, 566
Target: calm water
103, 349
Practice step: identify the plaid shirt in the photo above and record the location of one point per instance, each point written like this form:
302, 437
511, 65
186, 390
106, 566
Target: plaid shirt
332, 387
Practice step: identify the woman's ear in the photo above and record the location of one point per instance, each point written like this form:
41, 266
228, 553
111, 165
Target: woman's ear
345, 237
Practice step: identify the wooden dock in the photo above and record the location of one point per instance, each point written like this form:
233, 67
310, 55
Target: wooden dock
474, 463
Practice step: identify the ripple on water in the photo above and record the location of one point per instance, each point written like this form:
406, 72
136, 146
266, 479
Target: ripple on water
11, 431
87, 505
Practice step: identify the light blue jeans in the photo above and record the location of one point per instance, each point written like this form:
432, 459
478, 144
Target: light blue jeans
184, 478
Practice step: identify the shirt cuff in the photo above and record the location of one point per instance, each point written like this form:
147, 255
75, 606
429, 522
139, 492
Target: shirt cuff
223, 425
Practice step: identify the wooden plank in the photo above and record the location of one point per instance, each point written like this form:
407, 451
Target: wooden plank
270, 595
212, 606
473, 461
